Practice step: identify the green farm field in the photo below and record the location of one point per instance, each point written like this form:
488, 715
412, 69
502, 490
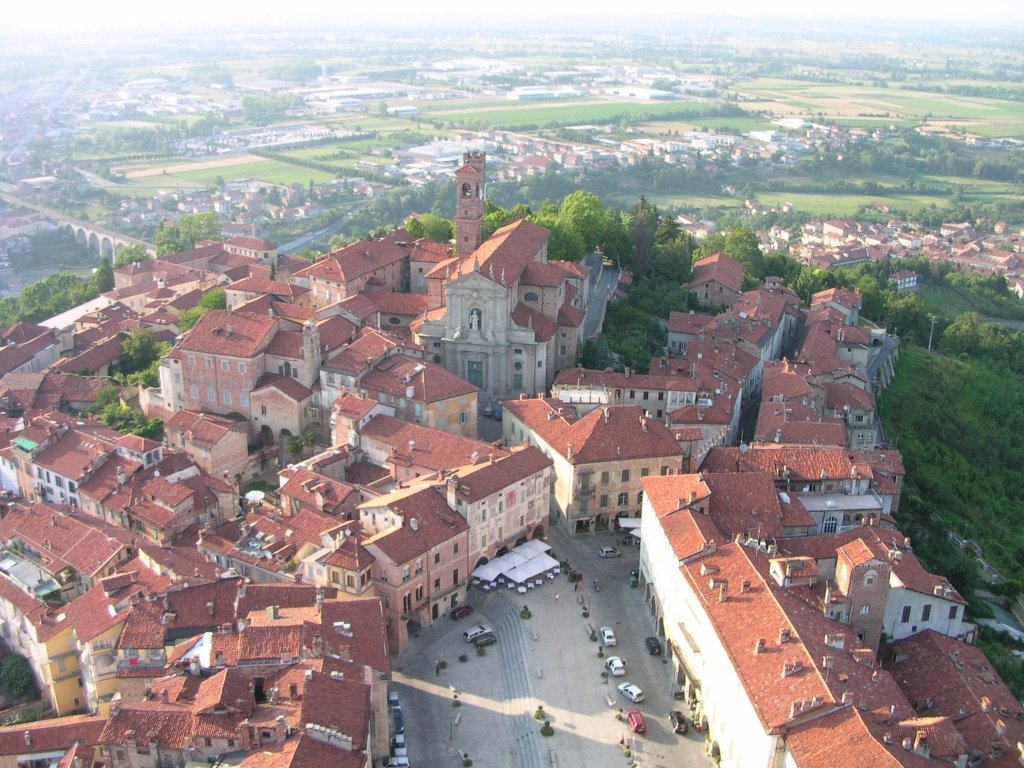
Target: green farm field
944, 300
509, 115
271, 171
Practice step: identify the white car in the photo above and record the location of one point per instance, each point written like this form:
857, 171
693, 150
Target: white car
607, 637
631, 692
393, 702
616, 666
398, 748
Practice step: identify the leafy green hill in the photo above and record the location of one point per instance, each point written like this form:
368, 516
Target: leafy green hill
958, 424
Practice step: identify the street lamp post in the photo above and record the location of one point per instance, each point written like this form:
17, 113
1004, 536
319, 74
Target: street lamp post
935, 319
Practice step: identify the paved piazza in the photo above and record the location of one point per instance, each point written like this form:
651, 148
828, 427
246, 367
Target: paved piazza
546, 660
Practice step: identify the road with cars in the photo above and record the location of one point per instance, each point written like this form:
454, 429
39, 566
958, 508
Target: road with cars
548, 660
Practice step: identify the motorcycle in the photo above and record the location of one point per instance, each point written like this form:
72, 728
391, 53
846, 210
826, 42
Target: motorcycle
597, 587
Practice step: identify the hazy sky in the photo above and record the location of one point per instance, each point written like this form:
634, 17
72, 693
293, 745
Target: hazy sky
58, 15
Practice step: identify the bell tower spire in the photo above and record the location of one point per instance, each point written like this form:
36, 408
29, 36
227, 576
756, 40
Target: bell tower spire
469, 201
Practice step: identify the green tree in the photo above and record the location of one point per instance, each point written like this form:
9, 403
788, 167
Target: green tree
617, 244
431, 227
644, 225
581, 214
189, 230
130, 254
298, 445
16, 675
215, 298
139, 350
103, 279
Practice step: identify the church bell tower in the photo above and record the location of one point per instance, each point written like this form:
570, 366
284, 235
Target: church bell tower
469, 201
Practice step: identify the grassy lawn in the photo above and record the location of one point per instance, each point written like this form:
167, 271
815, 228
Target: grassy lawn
944, 299
844, 204
265, 170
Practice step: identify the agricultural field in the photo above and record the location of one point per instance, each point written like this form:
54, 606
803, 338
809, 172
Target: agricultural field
944, 300
510, 115
844, 103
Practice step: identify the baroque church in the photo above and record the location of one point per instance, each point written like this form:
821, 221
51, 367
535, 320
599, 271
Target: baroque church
499, 314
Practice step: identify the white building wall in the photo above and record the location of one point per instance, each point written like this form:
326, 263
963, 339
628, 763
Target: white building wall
732, 720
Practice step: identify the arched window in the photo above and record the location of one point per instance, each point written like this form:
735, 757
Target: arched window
530, 296
830, 526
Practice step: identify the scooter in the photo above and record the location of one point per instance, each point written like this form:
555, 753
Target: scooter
597, 587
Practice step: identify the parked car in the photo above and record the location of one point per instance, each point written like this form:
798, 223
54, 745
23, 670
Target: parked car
488, 410
481, 640
632, 692
474, 632
607, 635
399, 721
393, 702
615, 666
461, 611
396, 762
499, 412
653, 646
609, 552
398, 748
679, 722
636, 721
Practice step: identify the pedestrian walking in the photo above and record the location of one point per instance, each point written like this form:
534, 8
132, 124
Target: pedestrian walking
556, 597
437, 668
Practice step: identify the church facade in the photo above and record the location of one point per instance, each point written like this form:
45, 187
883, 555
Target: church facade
500, 315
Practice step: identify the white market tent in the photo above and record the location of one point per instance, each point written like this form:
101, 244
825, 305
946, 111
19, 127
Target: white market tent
630, 522
521, 564
532, 568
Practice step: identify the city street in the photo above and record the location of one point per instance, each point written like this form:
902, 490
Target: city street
547, 660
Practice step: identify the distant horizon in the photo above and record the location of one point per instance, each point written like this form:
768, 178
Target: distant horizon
64, 18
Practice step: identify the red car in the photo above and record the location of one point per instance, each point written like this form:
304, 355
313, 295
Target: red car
636, 721
461, 611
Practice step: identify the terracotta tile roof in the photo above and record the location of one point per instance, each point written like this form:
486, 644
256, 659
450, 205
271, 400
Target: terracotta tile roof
426, 250
252, 243
745, 503
143, 627
350, 554
367, 639
843, 394
797, 424
359, 258
718, 268
191, 609
179, 562
74, 454
50, 735
256, 597
360, 306
525, 317
568, 315
688, 322
21, 332
803, 463
844, 297
505, 254
236, 334
961, 684
430, 383
369, 346
15, 355
542, 274
479, 481
167, 726
353, 406
285, 385
286, 344
605, 434
308, 488
265, 286
432, 448
301, 751
575, 269
201, 429
84, 543
845, 739
435, 523
393, 302
335, 332
365, 473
